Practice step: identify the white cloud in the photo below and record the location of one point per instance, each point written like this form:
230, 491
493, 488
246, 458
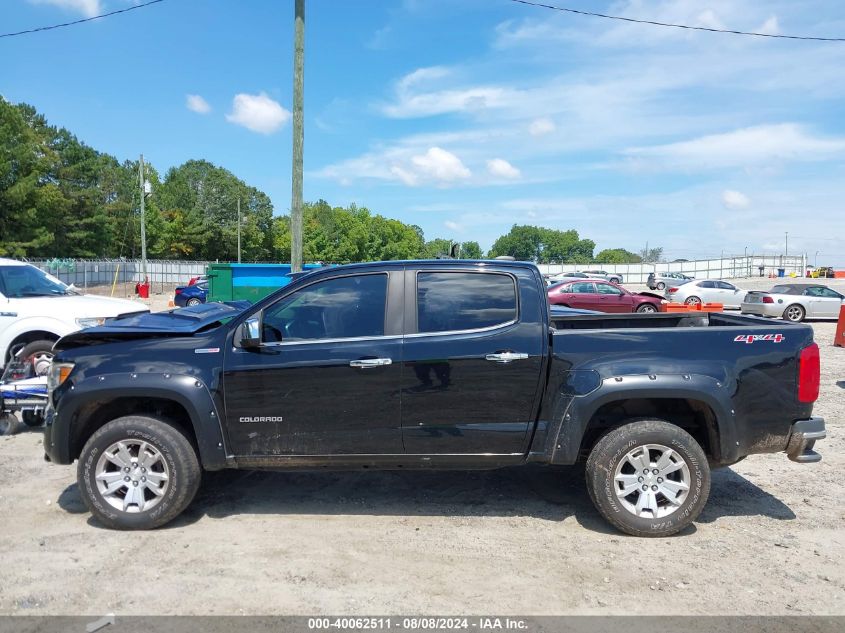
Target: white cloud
770, 26
423, 93
411, 165
746, 147
258, 113
440, 165
453, 226
501, 168
88, 8
735, 199
195, 103
541, 127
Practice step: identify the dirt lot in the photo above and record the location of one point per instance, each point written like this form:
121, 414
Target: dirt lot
517, 541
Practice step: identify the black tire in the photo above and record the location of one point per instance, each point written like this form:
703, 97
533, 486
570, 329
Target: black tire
176, 450
193, 302
30, 418
794, 313
661, 285
34, 351
611, 451
647, 308
693, 300
9, 424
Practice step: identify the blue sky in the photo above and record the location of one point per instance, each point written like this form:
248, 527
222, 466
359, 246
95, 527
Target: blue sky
467, 117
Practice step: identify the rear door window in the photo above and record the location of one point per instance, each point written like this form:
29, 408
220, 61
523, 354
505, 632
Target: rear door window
452, 301
583, 288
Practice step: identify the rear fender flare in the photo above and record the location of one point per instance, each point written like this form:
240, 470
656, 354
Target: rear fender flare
580, 410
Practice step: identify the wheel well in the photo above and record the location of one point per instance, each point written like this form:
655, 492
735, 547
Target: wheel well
97, 413
694, 416
29, 337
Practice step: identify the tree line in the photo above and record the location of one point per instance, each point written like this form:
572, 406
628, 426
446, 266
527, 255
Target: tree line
61, 198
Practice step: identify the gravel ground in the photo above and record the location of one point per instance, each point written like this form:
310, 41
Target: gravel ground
522, 541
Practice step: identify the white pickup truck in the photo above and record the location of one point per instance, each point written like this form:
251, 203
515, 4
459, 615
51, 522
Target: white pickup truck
36, 310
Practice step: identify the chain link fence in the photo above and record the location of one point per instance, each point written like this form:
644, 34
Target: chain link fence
119, 276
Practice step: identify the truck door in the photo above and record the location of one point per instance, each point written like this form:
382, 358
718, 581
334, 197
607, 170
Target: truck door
473, 354
325, 378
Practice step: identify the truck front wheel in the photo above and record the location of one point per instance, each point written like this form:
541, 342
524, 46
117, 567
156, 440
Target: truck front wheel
138, 473
648, 478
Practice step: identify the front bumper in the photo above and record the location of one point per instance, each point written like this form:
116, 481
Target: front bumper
773, 310
802, 437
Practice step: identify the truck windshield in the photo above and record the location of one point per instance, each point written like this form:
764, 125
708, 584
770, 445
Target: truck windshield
28, 281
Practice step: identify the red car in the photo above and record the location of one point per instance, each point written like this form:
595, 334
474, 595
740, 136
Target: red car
597, 294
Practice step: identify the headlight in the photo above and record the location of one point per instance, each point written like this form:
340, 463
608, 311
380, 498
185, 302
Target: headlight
90, 322
57, 375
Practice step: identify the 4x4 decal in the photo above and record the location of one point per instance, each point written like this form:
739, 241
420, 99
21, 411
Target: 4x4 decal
750, 338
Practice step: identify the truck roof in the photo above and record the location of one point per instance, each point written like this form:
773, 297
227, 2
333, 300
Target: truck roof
454, 263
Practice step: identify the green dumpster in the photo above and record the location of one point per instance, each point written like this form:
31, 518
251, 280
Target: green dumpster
235, 282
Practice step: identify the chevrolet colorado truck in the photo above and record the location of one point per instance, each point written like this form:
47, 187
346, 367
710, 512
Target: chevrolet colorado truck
433, 365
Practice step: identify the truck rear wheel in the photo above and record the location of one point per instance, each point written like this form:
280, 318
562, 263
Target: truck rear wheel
648, 478
138, 473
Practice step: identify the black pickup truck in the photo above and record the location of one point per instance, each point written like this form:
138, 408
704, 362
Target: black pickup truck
427, 364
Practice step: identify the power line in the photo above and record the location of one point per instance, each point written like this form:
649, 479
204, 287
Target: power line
91, 19
680, 26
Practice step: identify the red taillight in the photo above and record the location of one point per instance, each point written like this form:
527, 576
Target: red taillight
768, 299
809, 374
672, 291
179, 291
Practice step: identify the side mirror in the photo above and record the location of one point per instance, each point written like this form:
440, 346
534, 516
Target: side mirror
249, 333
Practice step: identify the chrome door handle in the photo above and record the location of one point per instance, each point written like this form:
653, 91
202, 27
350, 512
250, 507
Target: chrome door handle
506, 357
366, 363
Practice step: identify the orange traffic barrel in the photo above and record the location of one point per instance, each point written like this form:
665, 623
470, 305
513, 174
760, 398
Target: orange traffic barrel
839, 339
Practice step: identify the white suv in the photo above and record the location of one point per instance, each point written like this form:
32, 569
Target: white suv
36, 310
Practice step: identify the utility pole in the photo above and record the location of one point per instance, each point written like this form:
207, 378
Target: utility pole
239, 229
143, 221
786, 250
298, 136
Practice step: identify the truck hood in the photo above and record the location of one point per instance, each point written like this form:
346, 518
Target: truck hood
179, 322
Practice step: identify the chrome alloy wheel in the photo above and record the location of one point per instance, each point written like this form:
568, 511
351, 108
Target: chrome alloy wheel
794, 313
132, 475
652, 481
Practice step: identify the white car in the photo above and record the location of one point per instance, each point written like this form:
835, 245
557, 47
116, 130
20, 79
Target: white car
795, 302
706, 291
36, 310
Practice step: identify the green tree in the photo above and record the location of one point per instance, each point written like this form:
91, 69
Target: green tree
652, 255
471, 250
438, 247
617, 256
542, 245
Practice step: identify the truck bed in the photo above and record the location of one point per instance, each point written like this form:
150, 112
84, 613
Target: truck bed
659, 320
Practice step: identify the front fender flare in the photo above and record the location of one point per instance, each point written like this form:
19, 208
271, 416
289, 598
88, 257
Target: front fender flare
189, 392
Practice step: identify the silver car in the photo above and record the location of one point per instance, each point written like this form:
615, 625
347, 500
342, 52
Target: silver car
706, 291
794, 302
661, 281
614, 278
